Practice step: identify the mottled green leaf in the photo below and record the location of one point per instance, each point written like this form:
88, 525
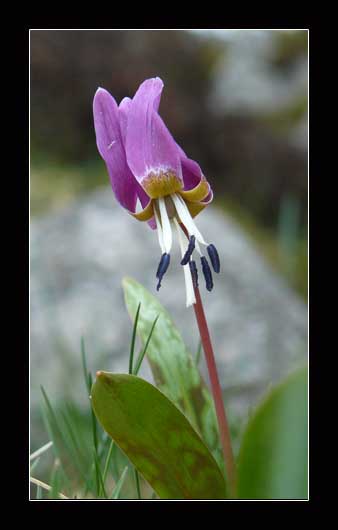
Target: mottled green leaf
273, 457
175, 371
156, 437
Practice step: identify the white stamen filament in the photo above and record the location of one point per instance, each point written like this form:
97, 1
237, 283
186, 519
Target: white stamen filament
159, 230
167, 234
198, 248
187, 220
189, 287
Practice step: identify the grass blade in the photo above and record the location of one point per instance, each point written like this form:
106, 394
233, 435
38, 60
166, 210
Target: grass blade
101, 487
84, 365
53, 427
63, 442
80, 458
93, 418
137, 480
39, 452
34, 465
132, 345
131, 358
55, 481
108, 459
45, 486
142, 354
39, 495
89, 382
118, 486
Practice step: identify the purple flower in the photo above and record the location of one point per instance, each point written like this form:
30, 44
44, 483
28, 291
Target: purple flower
148, 167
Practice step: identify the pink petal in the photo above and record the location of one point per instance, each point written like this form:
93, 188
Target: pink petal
152, 223
192, 173
124, 108
150, 148
110, 145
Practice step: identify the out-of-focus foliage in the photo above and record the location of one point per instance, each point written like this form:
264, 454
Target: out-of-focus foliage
290, 46
273, 459
285, 248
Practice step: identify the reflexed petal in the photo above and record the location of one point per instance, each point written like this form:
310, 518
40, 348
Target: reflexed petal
192, 173
148, 211
110, 146
200, 192
152, 153
196, 207
146, 214
196, 186
208, 199
152, 223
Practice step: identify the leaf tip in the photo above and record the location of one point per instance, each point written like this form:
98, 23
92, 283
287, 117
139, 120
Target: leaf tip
126, 280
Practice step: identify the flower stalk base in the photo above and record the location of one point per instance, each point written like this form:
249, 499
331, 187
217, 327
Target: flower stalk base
217, 394
216, 390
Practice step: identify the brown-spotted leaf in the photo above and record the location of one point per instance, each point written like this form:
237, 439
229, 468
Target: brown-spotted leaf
175, 371
156, 437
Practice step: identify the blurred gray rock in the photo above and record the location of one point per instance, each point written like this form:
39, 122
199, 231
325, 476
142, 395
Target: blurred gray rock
245, 80
78, 259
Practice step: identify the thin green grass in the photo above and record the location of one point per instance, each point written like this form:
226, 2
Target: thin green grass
87, 463
144, 351
117, 489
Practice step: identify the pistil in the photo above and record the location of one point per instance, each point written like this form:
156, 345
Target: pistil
190, 295
186, 219
173, 208
167, 234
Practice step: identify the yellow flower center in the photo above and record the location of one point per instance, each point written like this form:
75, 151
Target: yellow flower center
161, 184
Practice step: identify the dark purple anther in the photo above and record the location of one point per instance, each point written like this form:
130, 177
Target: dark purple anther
207, 274
194, 274
162, 268
189, 251
214, 257
160, 265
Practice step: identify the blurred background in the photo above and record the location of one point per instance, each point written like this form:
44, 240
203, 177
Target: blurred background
236, 101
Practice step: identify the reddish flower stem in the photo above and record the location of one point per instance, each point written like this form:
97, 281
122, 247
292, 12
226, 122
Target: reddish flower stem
216, 390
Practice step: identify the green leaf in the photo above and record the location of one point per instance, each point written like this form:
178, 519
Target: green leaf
156, 437
273, 458
175, 371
